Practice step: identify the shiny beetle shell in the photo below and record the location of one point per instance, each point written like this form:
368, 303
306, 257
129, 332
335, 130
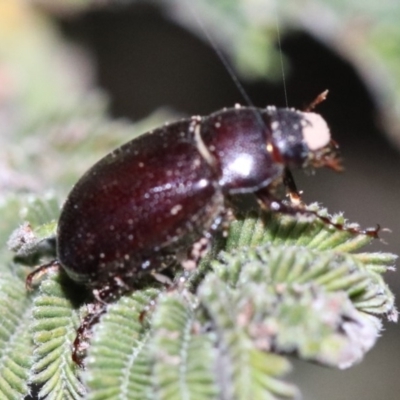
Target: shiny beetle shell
158, 194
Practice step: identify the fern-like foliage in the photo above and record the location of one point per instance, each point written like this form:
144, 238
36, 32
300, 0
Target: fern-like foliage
119, 362
15, 341
276, 286
54, 325
184, 358
246, 370
16, 304
311, 313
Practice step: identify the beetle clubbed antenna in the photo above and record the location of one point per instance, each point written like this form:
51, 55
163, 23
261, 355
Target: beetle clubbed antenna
319, 99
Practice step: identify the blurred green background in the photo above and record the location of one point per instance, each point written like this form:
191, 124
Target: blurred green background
78, 78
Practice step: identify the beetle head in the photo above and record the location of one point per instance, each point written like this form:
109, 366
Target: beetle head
302, 139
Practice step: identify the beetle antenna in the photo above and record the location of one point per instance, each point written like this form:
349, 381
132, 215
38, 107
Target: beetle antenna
227, 65
280, 53
222, 58
319, 99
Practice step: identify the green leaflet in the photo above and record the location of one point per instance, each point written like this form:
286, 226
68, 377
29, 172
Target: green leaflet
167, 362
55, 320
119, 358
291, 265
15, 340
309, 300
26, 238
258, 228
184, 358
246, 370
16, 306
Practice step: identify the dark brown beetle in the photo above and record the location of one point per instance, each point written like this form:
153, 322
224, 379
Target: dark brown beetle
160, 193
157, 195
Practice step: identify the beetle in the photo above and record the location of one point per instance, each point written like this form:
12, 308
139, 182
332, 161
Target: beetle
156, 196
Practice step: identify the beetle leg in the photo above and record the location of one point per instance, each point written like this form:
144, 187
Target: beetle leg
40, 271
268, 202
196, 253
163, 279
84, 332
95, 310
290, 185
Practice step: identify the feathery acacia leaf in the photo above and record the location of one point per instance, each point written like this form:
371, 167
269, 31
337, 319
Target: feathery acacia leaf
16, 345
54, 329
316, 301
245, 370
280, 284
119, 360
15, 341
184, 359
